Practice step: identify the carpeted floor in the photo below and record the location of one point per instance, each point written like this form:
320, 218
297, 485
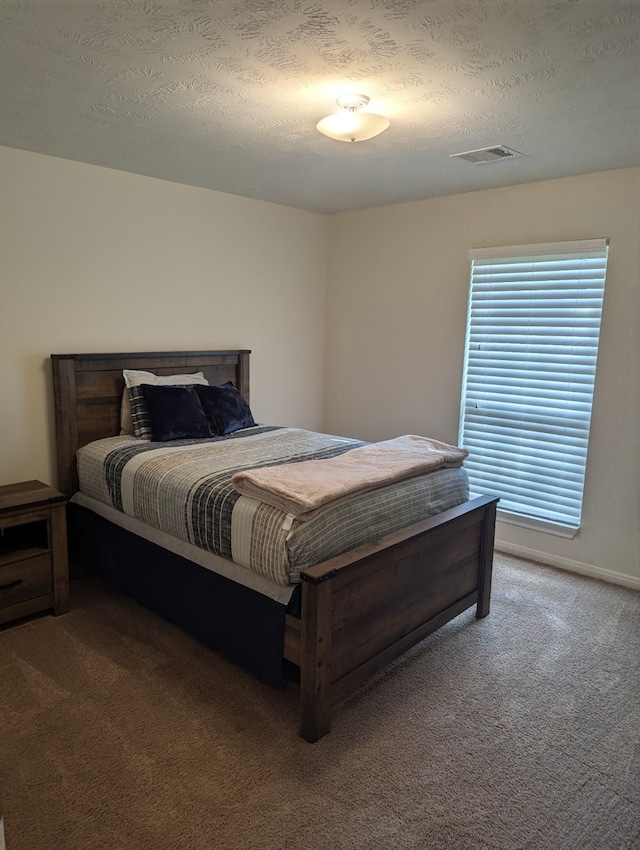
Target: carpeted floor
518, 732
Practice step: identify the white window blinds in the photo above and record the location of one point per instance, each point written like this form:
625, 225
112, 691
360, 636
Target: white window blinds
530, 360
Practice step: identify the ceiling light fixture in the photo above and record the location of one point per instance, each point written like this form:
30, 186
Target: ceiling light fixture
349, 125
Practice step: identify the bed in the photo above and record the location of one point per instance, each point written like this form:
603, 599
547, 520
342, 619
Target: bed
348, 616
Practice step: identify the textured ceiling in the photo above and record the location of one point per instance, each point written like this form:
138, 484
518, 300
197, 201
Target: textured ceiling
226, 94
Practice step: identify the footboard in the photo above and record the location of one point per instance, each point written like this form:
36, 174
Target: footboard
363, 609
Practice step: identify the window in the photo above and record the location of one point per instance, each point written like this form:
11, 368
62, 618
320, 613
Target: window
530, 360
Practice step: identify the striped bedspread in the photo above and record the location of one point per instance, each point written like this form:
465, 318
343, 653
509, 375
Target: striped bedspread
184, 489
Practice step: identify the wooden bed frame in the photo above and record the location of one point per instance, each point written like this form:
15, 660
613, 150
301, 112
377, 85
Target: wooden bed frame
361, 609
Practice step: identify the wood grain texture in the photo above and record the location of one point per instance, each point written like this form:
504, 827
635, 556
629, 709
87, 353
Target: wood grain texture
88, 393
385, 597
34, 573
361, 609
60, 561
315, 660
27, 493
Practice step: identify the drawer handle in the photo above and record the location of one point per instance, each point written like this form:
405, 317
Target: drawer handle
11, 584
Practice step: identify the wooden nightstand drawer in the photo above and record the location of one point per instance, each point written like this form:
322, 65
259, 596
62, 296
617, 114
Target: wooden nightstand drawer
26, 579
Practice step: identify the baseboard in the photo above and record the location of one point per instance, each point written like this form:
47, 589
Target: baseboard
567, 564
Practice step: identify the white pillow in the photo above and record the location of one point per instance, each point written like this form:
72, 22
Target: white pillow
135, 377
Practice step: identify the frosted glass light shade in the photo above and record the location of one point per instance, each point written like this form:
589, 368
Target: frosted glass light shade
350, 125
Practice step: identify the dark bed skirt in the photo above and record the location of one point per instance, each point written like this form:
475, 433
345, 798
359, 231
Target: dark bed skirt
243, 625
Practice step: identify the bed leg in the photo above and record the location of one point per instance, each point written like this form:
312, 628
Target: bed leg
315, 668
485, 560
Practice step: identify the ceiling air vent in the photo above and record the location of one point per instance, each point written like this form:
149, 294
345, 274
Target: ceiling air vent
482, 155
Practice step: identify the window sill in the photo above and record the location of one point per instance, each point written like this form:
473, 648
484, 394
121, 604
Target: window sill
537, 524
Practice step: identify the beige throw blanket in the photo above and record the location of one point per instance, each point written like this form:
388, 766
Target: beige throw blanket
302, 489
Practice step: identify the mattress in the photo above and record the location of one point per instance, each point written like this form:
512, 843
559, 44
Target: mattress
184, 490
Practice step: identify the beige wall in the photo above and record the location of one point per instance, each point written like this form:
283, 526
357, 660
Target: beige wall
397, 298
93, 259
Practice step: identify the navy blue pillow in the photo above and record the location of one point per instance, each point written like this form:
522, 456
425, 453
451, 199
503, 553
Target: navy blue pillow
175, 413
225, 408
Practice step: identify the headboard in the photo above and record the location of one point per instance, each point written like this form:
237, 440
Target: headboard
87, 390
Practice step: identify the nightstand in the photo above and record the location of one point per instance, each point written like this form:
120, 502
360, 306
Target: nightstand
34, 571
